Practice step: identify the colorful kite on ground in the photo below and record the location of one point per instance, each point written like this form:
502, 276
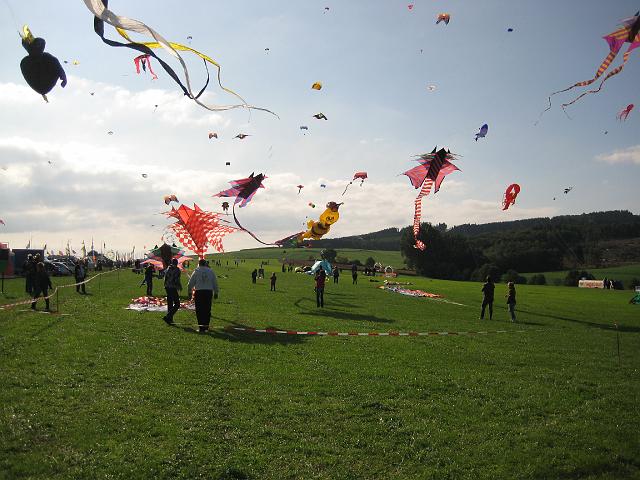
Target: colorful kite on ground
123, 25
443, 17
624, 113
430, 173
170, 198
484, 129
196, 229
144, 61
40, 69
629, 32
358, 175
510, 195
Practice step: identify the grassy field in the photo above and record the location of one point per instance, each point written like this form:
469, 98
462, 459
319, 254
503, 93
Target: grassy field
385, 257
625, 273
104, 392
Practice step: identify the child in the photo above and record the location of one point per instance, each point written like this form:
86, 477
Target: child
511, 300
273, 282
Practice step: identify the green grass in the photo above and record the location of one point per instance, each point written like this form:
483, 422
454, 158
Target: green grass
624, 273
386, 257
110, 393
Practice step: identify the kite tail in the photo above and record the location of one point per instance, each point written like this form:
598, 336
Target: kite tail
417, 214
248, 231
345, 188
613, 72
603, 67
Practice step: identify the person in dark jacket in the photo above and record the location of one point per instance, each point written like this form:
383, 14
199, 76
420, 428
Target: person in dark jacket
80, 274
148, 279
29, 271
336, 274
172, 285
320, 278
511, 300
487, 297
354, 273
254, 275
41, 285
273, 279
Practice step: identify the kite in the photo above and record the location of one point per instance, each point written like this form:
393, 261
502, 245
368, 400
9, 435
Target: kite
431, 88
430, 173
243, 189
322, 185
624, 113
227, 163
483, 132
144, 175
300, 187
170, 198
443, 17
196, 229
189, 38
312, 205
320, 116
2, 222
509, 29
326, 9
160, 257
629, 32
40, 69
242, 136
109, 132
510, 195
304, 127
358, 175
266, 49
317, 86
145, 61
225, 207
567, 190
316, 230
410, 6
99, 8
213, 135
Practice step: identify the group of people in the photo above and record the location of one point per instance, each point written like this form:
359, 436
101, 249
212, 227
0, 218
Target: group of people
488, 290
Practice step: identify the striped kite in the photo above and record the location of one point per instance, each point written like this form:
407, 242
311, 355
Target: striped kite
629, 32
433, 168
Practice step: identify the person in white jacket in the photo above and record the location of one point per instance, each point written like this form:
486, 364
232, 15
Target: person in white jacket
205, 284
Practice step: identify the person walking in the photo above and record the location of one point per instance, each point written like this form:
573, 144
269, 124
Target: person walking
487, 297
254, 275
354, 274
273, 281
511, 300
148, 279
172, 285
336, 274
41, 285
321, 276
80, 274
205, 284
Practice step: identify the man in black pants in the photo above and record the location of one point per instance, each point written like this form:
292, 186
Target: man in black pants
487, 291
321, 276
205, 283
41, 285
172, 285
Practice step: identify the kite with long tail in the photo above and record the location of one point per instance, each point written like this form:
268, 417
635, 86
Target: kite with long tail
629, 32
429, 174
103, 15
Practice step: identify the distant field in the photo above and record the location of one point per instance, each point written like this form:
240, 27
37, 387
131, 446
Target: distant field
625, 273
387, 258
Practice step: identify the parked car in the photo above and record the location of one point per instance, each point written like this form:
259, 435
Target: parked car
57, 269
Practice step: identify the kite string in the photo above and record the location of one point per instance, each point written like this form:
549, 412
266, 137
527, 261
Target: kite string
245, 230
13, 16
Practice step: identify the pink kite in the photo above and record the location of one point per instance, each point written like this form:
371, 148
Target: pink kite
624, 113
430, 173
358, 175
196, 229
629, 32
145, 60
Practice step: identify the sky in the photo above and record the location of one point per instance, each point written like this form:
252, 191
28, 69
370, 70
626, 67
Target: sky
63, 177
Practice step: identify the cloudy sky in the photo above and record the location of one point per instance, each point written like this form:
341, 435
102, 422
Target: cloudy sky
64, 177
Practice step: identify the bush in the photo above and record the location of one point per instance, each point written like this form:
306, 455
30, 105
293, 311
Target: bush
370, 262
538, 279
513, 276
574, 276
357, 263
633, 283
342, 260
557, 282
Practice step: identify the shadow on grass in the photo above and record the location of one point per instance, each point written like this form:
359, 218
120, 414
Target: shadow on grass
621, 328
328, 300
330, 313
247, 337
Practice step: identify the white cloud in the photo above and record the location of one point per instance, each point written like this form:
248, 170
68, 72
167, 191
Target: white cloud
626, 155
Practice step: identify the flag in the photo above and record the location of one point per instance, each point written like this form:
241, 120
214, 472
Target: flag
68, 249
84, 250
